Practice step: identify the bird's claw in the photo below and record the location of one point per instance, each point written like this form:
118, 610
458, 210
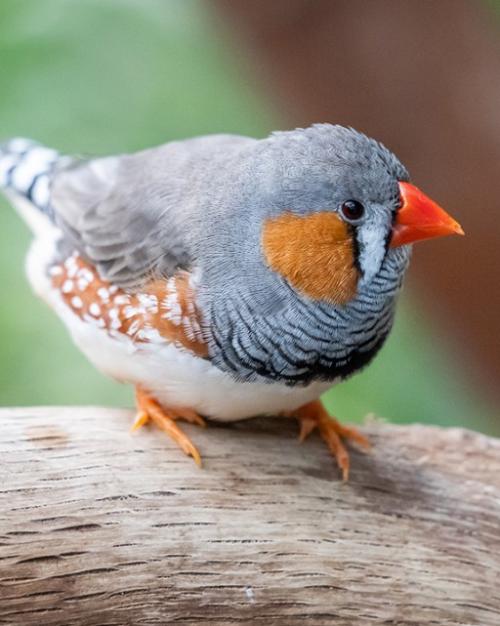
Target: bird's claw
165, 419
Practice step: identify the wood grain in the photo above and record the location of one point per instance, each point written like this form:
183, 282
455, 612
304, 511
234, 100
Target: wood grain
98, 527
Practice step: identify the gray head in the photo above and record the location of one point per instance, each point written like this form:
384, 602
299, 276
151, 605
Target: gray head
316, 207
319, 207
338, 170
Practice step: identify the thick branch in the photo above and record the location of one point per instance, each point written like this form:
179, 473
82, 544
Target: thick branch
100, 527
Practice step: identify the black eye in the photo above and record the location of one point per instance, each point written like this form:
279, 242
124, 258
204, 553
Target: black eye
352, 210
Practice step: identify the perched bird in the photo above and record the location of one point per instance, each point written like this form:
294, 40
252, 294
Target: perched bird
225, 277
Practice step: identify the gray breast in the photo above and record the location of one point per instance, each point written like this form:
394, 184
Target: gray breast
306, 341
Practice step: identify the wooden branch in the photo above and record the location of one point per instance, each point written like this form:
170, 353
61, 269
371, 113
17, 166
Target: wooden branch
98, 527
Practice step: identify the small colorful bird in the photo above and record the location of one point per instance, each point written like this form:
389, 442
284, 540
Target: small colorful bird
225, 277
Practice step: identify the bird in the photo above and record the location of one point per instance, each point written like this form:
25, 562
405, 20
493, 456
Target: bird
223, 276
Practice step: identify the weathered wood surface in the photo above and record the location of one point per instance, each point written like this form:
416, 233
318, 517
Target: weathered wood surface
98, 527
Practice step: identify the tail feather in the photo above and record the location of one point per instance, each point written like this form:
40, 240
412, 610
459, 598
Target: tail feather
26, 168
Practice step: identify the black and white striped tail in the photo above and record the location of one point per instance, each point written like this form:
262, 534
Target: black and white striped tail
25, 169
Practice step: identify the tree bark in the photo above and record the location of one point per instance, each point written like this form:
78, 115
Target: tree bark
99, 527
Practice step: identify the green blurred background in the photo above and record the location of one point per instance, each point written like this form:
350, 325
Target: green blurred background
103, 76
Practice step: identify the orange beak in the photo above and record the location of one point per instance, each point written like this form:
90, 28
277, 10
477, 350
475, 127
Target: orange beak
419, 218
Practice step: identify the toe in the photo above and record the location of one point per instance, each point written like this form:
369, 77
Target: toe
150, 409
141, 419
192, 417
306, 427
337, 448
168, 425
351, 434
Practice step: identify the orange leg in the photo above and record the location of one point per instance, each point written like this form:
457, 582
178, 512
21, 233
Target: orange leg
314, 415
148, 409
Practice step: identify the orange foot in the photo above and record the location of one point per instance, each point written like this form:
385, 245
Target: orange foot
149, 409
314, 415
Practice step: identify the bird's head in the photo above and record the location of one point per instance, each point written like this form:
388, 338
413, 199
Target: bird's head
336, 204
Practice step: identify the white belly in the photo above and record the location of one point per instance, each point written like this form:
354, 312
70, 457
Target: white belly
176, 377
179, 379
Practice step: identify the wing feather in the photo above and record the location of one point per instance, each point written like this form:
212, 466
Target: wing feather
135, 216
105, 208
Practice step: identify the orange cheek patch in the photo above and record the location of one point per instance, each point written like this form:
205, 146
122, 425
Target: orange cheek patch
314, 253
163, 309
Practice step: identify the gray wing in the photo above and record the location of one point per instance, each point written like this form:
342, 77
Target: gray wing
135, 216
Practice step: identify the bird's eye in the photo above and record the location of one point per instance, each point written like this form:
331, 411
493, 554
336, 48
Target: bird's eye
352, 210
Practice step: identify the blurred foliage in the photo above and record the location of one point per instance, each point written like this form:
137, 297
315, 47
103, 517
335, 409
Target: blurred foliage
105, 76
